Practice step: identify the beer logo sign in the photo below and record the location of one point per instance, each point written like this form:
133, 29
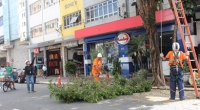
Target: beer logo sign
122, 38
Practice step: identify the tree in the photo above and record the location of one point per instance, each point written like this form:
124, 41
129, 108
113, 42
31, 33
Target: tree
147, 10
189, 8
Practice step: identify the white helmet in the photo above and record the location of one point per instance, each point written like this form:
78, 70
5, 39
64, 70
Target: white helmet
99, 55
26, 61
175, 46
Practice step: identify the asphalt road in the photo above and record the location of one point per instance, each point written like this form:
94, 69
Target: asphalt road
20, 99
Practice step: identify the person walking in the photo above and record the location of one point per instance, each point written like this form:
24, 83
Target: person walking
9, 71
44, 68
97, 67
176, 58
29, 71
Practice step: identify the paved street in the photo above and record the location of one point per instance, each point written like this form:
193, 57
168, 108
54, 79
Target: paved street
154, 100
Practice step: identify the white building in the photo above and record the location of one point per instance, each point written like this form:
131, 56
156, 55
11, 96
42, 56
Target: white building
43, 26
2, 51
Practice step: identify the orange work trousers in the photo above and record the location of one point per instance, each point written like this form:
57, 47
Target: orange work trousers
96, 76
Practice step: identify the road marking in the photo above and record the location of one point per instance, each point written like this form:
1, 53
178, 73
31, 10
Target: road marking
15, 109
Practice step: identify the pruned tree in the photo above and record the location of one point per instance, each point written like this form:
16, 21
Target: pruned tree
147, 10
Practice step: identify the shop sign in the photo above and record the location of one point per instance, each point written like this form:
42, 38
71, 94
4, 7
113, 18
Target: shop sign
72, 44
122, 38
12, 60
53, 47
36, 50
8, 46
70, 4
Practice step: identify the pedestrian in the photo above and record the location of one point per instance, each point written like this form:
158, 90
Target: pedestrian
97, 67
176, 58
9, 71
44, 68
29, 71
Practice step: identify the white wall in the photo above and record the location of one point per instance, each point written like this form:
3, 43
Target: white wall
88, 3
41, 17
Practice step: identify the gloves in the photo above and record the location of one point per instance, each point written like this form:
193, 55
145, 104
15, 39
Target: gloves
187, 53
161, 55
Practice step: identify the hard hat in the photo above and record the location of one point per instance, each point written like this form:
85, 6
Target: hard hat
175, 46
99, 55
26, 61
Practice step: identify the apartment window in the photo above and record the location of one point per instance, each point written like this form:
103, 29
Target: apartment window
102, 10
36, 31
51, 26
22, 4
35, 7
0, 3
1, 21
72, 20
23, 14
48, 3
23, 24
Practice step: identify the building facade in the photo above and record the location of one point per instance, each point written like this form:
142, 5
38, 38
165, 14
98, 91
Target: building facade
72, 19
44, 32
108, 27
13, 11
3, 52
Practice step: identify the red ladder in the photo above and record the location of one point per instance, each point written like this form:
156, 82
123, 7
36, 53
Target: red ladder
178, 6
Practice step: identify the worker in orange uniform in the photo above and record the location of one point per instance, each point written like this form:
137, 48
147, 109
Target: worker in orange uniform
97, 67
176, 70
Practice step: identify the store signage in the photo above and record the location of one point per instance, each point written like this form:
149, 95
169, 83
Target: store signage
72, 44
12, 60
70, 4
122, 38
53, 47
36, 50
8, 46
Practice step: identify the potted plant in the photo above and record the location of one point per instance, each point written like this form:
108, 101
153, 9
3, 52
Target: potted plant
70, 67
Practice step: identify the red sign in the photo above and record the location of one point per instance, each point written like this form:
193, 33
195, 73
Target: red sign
11, 60
36, 50
147, 45
123, 38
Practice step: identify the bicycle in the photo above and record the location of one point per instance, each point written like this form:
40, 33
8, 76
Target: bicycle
6, 85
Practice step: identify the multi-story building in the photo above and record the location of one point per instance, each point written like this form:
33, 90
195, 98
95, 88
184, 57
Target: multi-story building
2, 51
109, 24
72, 18
13, 13
44, 34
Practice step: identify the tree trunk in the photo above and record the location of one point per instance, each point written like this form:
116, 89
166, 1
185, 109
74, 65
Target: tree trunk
175, 25
147, 11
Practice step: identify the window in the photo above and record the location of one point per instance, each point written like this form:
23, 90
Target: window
0, 3
48, 3
36, 31
107, 47
72, 20
51, 26
23, 24
23, 14
102, 10
1, 21
35, 7
22, 4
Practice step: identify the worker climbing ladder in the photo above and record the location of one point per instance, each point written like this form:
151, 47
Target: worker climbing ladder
180, 15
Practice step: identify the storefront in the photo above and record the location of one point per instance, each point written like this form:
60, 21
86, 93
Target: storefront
108, 45
53, 60
73, 51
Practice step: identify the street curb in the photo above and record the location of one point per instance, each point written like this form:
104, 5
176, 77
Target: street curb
167, 88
